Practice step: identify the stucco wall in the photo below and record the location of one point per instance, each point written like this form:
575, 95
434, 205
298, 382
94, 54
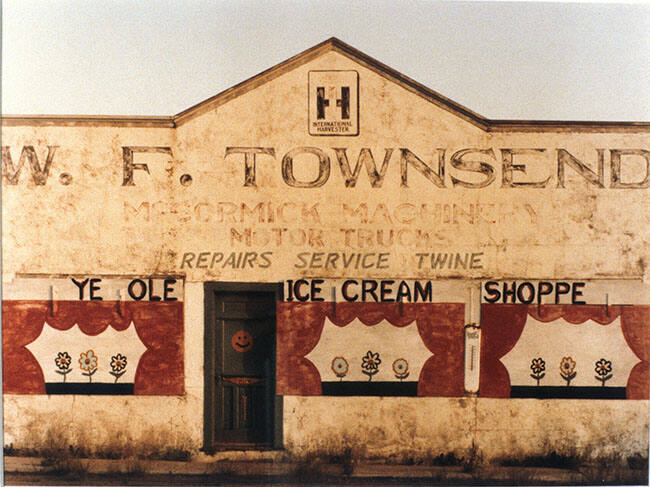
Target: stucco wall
85, 221
118, 424
581, 230
421, 428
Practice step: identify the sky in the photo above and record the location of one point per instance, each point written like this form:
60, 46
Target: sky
505, 60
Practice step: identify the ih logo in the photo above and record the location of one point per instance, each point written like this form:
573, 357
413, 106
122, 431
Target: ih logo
333, 103
343, 102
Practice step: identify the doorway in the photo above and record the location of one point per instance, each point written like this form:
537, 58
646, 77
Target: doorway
241, 408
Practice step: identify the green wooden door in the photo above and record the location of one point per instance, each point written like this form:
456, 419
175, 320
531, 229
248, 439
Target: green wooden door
242, 336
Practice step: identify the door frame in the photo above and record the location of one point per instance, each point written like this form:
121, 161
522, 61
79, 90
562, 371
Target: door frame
210, 444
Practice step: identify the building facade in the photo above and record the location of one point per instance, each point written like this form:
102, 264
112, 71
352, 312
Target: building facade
327, 255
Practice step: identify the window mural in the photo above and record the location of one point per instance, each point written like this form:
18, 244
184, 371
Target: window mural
394, 339
561, 345
93, 336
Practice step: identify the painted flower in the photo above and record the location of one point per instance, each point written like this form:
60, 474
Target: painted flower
371, 361
340, 367
603, 367
567, 366
401, 368
567, 369
370, 364
63, 360
88, 361
118, 362
538, 365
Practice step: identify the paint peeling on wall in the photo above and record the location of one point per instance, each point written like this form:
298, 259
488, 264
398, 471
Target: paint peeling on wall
573, 350
379, 341
365, 180
91, 345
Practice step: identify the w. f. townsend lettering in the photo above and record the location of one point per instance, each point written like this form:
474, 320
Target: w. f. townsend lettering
472, 168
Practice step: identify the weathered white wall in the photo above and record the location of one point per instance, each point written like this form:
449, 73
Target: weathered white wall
81, 228
421, 428
551, 232
118, 424
96, 226
578, 231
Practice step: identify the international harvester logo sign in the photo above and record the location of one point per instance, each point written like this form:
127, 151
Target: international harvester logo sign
333, 103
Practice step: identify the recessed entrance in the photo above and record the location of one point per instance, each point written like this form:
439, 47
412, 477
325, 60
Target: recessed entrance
240, 402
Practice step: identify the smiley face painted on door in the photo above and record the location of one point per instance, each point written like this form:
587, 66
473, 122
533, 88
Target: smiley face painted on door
242, 341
